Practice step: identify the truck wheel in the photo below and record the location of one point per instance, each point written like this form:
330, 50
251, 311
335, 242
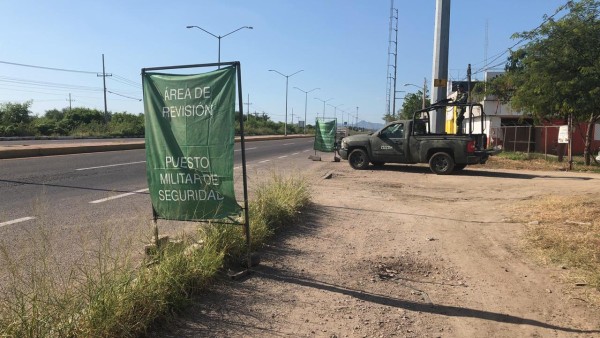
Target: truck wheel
358, 159
441, 163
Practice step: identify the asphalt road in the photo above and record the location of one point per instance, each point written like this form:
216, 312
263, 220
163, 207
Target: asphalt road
77, 197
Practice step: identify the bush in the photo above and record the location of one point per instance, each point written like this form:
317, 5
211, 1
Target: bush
123, 124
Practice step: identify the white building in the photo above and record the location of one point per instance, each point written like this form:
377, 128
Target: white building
496, 114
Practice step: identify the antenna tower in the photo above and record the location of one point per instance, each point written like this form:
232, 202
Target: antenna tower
390, 91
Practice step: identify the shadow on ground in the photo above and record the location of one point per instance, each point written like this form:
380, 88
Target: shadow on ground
229, 306
476, 171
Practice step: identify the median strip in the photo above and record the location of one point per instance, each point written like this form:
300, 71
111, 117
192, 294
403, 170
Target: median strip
111, 165
119, 196
18, 220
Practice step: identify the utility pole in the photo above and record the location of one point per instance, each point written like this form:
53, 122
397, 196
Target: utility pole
104, 75
70, 105
248, 107
469, 83
424, 92
441, 42
292, 116
356, 124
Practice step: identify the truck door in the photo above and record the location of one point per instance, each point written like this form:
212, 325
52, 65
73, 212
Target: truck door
390, 144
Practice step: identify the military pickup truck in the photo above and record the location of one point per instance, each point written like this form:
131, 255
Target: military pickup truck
410, 141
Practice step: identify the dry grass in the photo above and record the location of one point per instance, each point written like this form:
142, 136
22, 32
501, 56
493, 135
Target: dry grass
524, 161
110, 297
565, 230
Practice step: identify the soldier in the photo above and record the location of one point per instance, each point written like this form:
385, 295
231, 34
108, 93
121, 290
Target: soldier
461, 98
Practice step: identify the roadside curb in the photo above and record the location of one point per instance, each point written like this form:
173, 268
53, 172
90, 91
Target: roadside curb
21, 151
35, 151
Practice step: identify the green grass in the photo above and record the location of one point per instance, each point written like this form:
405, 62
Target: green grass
112, 297
535, 161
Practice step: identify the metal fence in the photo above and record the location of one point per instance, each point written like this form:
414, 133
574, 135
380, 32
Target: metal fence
528, 139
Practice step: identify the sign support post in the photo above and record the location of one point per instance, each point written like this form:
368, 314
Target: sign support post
243, 148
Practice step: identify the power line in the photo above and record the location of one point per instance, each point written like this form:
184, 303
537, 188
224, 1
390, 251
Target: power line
118, 78
129, 97
497, 56
62, 93
48, 68
126, 81
46, 84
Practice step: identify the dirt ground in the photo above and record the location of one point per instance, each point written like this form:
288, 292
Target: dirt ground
400, 252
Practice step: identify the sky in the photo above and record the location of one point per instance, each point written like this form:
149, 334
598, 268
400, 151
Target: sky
341, 46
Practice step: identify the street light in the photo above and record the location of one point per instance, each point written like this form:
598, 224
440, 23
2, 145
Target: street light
219, 36
348, 119
335, 109
424, 90
305, 103
286, 95
324, 101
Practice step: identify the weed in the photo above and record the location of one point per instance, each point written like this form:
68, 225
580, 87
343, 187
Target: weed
109, 296
534, 161
566, 231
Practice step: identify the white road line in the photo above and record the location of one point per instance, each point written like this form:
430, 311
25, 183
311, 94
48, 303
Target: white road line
284, 156
264, 161
287, 144
306, 150
18, 220
111, 165
118, 196
295, 154
246, 149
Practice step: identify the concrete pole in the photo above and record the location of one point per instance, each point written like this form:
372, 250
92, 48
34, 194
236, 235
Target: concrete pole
441, 42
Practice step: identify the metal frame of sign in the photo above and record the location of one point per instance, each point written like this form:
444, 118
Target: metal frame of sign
246, 224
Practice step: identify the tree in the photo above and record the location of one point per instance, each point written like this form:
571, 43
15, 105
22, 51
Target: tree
557, 73
15, 113
389, 118
15, 118
55, 114
412, 103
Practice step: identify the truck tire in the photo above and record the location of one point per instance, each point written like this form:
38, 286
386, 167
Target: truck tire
459, 167
358, 159
441, 163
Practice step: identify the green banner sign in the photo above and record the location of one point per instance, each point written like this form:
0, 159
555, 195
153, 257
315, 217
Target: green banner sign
189, 144
325, 136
